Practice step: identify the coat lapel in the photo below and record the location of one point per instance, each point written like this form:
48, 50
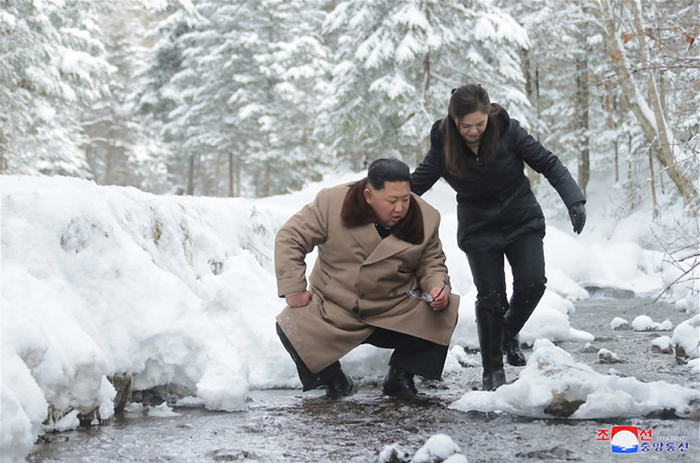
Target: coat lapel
367, 237
388, 247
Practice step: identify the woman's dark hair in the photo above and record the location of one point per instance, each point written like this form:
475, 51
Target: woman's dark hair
387, 170
465, 100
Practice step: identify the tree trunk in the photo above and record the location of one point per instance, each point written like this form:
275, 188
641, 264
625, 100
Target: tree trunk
230, 175
610, 108
532, 96
265, 190
616, 148
530, 84
426, 87
190, 175
653, 183
238, 179
107, 178
584, 163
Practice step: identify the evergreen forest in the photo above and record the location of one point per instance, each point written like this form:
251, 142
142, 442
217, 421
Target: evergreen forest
257, 97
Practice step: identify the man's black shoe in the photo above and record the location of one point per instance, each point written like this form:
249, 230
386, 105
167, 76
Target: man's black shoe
339, 386
399, 383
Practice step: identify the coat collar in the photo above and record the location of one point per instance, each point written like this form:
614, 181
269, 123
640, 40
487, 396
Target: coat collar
356, 212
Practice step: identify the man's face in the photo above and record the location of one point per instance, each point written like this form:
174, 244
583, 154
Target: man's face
391, 203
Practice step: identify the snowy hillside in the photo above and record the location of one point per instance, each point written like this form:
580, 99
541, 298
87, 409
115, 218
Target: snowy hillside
103, 282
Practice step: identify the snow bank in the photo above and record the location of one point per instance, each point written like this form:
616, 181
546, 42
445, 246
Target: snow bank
595, 262
553, 384
179, 292
111, 281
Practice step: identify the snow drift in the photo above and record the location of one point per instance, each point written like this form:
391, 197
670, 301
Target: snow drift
553, 384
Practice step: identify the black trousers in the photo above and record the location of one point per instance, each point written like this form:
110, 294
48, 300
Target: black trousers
526, 259
412, 354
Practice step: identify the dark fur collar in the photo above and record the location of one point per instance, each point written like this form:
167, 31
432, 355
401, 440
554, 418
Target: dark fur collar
357, 212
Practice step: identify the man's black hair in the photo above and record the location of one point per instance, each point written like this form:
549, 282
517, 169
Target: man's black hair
387, 170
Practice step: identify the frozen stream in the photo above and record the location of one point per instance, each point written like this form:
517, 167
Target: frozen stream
286, 426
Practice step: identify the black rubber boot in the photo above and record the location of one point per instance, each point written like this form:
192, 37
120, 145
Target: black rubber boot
489, 323
523, 302
399, 383
493, 380
511, 346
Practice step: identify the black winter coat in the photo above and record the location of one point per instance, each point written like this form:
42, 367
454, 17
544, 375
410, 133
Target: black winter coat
495, 205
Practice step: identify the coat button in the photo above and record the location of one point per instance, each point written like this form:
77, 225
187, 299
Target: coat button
362, 295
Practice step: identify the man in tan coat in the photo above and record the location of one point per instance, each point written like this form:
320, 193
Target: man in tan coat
378, 251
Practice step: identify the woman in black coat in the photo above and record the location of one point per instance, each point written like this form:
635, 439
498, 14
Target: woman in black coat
480, 151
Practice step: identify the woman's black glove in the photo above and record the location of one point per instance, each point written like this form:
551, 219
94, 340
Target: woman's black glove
578, 217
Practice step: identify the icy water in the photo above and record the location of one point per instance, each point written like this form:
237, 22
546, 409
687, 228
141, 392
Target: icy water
288, 426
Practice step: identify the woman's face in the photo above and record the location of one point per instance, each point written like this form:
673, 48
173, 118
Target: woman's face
471, 127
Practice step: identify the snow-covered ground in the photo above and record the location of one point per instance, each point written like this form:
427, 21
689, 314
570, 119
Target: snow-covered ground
100, 282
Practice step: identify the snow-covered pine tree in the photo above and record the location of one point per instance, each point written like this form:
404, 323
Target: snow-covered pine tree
395, 63
193, 125
114, 134
51, 68
284, 89
251, 80
296, 71
160, 59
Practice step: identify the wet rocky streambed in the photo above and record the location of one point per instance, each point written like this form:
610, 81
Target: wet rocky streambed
288, 426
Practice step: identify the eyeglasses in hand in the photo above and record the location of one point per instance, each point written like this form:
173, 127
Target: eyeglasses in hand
424, 296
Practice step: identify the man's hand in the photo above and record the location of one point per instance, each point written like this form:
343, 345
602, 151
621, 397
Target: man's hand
299, 300
441, 297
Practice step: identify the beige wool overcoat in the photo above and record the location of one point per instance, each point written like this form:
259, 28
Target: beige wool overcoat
359, 280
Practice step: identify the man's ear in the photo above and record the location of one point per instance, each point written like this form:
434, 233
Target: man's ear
368, 196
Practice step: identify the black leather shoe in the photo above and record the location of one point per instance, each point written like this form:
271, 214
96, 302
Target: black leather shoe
493, 380
399, 383
339, 386
514, 356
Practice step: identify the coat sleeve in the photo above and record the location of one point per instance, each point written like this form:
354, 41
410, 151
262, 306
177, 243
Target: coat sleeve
432, 271
543, 161
299, 236
430, 170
